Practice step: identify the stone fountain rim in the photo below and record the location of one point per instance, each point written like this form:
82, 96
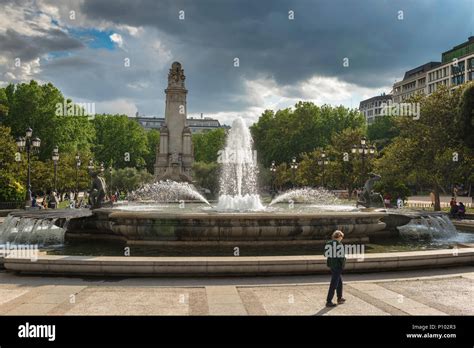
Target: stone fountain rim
140, 214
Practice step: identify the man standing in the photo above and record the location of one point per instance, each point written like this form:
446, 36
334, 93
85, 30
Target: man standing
336, 260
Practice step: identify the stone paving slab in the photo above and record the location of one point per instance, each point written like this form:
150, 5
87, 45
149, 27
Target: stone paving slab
412, 293
396, 300
6, 295
224, 300
307, 300
454, 296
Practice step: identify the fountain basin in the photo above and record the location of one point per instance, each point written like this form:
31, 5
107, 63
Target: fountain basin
232, 266
148, 227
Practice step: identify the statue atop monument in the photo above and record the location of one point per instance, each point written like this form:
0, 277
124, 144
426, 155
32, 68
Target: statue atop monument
176, 76
175, 157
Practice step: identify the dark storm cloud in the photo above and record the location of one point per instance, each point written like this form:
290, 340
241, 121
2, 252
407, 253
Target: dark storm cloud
27, 48
322, 34
269, 45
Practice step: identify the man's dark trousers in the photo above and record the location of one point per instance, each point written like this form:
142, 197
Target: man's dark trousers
336, 284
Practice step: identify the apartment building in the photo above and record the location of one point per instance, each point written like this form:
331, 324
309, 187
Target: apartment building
372, 107
414, 82
456, 67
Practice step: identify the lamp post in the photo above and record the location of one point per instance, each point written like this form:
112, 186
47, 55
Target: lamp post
78, 164
55, 159
273, 170
110, 171
30, 145
91, 166
323, 161
293, 166
364, 151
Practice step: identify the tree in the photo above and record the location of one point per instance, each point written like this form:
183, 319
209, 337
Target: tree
207, 145
206, 175
3, 105
12, 187
382, 131
120, 142
289, 132
429, 150
33, 105
129, 179
465, 119
153, 138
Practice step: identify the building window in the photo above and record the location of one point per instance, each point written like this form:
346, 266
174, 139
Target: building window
457, 80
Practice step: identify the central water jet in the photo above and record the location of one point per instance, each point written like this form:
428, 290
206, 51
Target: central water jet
238, 180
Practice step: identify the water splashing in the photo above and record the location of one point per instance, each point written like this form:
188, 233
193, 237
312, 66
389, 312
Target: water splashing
238, 180
439, 226
19, 230
166, 191
308, 194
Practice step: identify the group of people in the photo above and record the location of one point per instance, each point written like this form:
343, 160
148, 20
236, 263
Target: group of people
49, 201
457, 210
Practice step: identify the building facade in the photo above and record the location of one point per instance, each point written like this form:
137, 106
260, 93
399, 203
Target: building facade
197, 125
373, 107
414, 82
456, 67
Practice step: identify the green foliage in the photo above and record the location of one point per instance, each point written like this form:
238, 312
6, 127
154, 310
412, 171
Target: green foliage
129, 179
207, 145
153, 139
206, 175
289, 132
33, 105
3, 105
338, 173
11, 188
424, 153
465, 119
382, 131
394, 188
117, 136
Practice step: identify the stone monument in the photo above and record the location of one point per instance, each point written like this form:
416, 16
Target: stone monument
175, 157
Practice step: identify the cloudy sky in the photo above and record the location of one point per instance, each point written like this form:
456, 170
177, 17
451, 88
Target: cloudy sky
81, 46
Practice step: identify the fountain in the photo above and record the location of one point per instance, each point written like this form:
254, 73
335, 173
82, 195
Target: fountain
239, 215
162, 213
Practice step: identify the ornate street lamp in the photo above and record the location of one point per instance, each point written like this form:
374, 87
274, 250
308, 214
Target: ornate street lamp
273, 170
323, 162
110, 171
293, 166
30, 145
78, 164
364, 151
55, 158
91, 166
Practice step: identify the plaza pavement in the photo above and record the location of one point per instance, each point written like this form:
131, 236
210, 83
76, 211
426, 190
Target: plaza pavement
448, 291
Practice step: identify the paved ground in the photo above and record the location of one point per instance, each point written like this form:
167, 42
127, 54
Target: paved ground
432, 292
